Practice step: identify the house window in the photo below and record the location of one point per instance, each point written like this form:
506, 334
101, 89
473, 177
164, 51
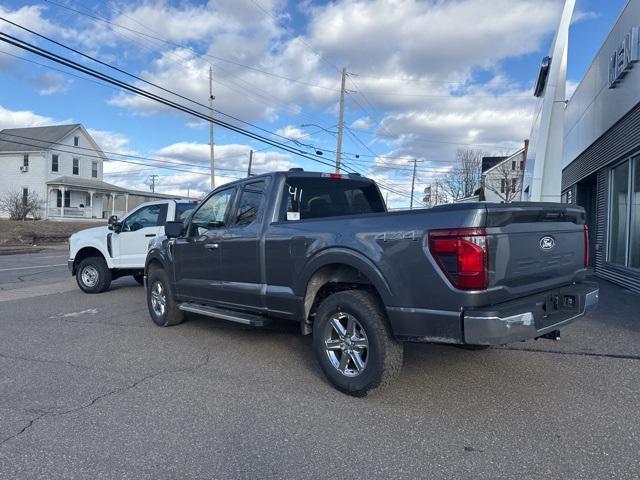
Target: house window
514, 181
503, 185
76, 166
25, 196
513, 165
94, 169
67, 198
521, 164
55, 163
58, 198
25, 160
76, 141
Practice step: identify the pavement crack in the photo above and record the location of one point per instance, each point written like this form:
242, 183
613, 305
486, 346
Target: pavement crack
578, 354
24, 429
202, 363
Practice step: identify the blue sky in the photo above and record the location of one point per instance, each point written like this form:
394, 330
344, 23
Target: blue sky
426, 78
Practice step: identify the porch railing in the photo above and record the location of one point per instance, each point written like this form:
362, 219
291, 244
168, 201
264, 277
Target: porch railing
71, 212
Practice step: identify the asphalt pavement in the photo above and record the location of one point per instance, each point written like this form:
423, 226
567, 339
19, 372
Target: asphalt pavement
30, 269
90, 388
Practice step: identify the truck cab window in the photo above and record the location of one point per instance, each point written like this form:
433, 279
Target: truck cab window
212, 212
183, 210
251, 204
149, 216
326, 197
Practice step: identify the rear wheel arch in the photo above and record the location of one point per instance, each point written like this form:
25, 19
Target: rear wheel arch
334, 277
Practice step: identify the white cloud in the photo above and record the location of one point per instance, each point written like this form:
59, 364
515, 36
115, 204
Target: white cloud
583, 15
430, 36
233, 158
112, 141
363, 123
23, 118
51, 83
291, 132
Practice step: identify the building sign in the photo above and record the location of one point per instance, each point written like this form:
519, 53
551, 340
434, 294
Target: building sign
624, 57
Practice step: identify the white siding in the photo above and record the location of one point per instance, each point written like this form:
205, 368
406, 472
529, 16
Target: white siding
13, 180
65, 159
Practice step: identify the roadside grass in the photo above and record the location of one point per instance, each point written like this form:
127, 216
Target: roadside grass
38, 232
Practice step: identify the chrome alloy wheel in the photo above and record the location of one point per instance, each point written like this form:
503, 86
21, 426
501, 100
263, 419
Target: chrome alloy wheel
90, 276
346, 344
158, 299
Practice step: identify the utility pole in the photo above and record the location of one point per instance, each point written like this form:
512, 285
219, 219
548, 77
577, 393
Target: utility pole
153, 182
340, 121
413, 182
250, 161
211, 98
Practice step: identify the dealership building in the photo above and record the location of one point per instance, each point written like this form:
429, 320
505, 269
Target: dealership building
601, 156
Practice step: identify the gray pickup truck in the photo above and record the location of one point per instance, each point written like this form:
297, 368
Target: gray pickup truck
323, 251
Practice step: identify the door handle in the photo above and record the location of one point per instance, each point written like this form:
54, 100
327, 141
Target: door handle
150, 235
211, 246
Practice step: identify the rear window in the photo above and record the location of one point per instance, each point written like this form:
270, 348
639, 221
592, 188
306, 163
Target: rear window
327, 197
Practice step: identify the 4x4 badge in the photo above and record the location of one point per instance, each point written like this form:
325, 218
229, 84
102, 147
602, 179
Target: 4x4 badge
547, 243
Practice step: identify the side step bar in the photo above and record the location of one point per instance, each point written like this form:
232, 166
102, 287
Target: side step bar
230, 315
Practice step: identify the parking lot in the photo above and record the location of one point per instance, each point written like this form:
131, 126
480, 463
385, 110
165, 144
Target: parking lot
90, 388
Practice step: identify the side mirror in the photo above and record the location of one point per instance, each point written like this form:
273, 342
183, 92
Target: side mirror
112, 222
173, 229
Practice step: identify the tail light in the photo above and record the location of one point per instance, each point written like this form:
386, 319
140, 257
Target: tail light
586, 246
462, 255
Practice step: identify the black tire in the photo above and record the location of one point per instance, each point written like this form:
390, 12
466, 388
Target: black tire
139, 277
383, 355
93, 275
171, 314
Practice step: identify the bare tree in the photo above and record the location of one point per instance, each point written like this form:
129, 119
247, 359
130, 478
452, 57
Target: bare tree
504, 181
464, 179
20, 206
452, 186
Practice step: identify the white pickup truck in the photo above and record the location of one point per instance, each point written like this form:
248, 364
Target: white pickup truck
101, 254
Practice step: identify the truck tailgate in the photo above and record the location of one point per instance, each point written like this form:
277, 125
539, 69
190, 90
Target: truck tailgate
534, 247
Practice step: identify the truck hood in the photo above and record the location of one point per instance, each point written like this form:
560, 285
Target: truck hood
95, 232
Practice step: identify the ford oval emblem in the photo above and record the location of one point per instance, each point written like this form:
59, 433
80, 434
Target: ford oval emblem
547, 243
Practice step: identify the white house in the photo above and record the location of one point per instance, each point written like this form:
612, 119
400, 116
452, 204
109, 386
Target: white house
63, 166
501, 179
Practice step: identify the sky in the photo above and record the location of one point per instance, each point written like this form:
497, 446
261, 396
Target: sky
425, 78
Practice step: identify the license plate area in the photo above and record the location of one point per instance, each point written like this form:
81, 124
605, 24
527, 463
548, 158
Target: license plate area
556, 307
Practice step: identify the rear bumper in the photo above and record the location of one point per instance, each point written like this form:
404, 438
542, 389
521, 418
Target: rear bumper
529, 317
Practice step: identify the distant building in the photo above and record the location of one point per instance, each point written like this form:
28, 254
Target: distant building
63, 166
501, 179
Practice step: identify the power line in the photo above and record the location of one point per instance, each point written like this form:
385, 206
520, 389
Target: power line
108, 65
102, 76
390, 187
139, 157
